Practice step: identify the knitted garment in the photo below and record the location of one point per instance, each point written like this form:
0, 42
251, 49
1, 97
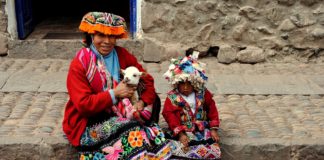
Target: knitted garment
106, 23
186, 69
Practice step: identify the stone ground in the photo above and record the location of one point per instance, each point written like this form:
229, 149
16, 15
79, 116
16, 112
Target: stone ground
267, 111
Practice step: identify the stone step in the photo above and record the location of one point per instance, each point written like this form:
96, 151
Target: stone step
257, 126
40, 48
49, 75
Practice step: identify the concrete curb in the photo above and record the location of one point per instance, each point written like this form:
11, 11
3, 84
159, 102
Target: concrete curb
47, 147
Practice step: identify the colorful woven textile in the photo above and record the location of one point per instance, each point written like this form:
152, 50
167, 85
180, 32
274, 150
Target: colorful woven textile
200, 151
186, 69
120, 138
106, 23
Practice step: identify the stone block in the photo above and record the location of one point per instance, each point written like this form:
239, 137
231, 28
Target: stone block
309, 2
3, 21
271, 42
274, 14
172, 51
154, 1
153, 22
304, 38
3, 44
230, 84
300, 85
286, 25
226, 54
4, 76
286, 2
319, 80
37, 49
24, 81
320, 19
302, 19
266, 84
152, 51
238, 31
318, 33
47, 147
249, 12
135, 47
53, 82
251, 55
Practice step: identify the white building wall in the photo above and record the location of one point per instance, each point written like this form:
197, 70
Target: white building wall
12, 23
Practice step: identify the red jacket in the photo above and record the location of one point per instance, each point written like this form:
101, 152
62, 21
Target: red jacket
86, 101
172, 113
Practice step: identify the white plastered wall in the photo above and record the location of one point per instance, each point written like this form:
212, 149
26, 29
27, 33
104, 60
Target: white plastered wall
12, 22
139, 31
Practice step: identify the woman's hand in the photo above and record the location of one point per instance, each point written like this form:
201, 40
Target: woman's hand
214, 135
139, 105
123, 91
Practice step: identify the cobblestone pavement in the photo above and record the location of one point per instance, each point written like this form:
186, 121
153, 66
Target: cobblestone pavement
276, 102
242, 116
31, 113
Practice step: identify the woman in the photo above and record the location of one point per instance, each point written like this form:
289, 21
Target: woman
94, 86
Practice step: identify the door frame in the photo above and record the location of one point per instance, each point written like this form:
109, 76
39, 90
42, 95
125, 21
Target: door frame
135, 18
12, 20
24, 16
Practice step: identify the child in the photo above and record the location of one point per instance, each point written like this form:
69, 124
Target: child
190, 111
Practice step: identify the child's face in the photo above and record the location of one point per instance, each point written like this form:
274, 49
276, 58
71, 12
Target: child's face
185, 88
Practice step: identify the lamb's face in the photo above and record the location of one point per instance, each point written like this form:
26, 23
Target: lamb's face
131, 75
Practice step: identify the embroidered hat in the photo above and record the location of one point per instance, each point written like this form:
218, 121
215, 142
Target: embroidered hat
186, 69
106, 23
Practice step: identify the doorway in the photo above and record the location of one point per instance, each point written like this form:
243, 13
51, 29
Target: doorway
60, 19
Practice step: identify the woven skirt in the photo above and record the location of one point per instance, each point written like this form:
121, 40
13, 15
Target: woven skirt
121, 138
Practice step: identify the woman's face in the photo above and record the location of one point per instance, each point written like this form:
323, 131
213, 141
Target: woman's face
185, 88
104, 43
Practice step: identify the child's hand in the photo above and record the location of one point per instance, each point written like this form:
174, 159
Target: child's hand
214, 135
139, 105
184, 139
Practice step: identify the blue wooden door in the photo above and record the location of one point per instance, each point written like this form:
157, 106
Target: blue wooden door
24, 16
133, 17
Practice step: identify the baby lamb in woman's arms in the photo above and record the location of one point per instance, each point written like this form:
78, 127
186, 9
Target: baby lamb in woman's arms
132, 77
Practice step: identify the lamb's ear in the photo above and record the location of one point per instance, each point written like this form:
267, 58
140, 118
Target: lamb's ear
143, 74
122, 71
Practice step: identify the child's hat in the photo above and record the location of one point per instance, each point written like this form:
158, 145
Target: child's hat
106, 23
186, 69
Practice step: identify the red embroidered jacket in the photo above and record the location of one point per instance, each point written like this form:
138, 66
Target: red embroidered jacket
87, 100
172, 114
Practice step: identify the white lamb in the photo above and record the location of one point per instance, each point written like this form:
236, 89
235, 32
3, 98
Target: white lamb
131, 76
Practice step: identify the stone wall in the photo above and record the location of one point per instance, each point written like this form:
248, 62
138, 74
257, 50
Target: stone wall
248, 31
3, 30
245, 31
